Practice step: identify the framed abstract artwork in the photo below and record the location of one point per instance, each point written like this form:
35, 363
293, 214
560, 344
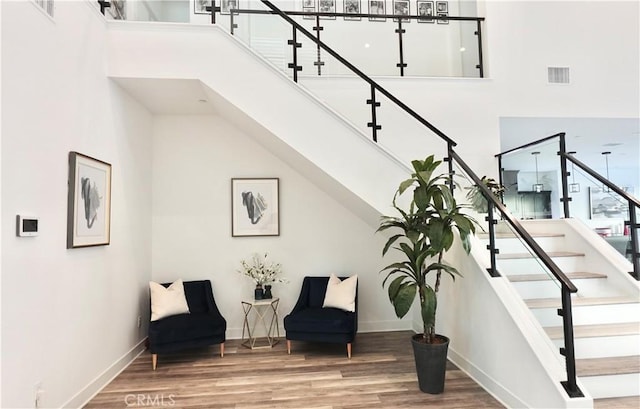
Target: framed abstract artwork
255, 207
88, 202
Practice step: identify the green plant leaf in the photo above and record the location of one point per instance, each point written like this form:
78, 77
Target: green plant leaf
404, 299
405, 185
390, 242
394, 287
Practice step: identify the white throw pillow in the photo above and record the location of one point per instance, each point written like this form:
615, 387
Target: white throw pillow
167, 301
341, 294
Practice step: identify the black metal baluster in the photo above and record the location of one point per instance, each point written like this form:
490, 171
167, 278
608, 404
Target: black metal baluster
374, 123
568, 351
401, 31
295, 45
478, 32
633, 232
565, 199
318, 28
493, 269
232, 25
452, 172
212, 9
103, 5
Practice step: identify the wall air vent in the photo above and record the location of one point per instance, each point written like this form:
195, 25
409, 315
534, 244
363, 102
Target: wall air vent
558, 75
46, 5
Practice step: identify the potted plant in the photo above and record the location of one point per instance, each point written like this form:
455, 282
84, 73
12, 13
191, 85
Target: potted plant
424, 234
477, 200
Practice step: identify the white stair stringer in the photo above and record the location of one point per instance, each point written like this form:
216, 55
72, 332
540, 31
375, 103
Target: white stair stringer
606, 309
259, 99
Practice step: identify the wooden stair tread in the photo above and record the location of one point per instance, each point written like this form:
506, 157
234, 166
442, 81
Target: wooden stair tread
511, 235
631, 402
579, 301
509, 256
545, 277
596, 330
616, 365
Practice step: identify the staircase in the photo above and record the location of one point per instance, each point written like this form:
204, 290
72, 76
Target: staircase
606, 309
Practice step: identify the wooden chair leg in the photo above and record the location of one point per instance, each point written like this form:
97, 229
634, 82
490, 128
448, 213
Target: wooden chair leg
222, 350
154, 361
288, 347
349, 350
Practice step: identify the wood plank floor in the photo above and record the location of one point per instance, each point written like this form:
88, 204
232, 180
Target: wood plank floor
381, 374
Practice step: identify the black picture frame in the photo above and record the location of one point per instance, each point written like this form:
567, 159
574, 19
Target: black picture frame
352, 7
442, 10
327, 6
425, 9
255, 207
377, 7
227, 5
200, 6
401, 8
88, 202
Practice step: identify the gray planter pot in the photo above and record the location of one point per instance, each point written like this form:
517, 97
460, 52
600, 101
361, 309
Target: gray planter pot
431, 363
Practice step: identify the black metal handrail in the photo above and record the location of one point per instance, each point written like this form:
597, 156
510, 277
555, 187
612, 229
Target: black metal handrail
400, 19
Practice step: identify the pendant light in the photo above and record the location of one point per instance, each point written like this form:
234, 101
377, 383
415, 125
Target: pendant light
605, 188
573, 186
538, 186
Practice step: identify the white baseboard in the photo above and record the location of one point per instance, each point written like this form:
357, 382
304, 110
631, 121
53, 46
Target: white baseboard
83, 397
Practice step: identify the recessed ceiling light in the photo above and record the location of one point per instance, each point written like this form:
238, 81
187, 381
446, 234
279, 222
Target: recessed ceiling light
202, 100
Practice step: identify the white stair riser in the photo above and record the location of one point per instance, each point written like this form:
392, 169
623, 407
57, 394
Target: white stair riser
604, 347
610, 386
551, 289
591, 314
535, 266
514, 245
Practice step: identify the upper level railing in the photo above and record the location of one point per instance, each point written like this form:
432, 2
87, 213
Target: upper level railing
434, 44
377, 97
609, 209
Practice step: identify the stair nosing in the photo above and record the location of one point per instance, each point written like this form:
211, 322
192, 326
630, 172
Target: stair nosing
596, 330
518, 256
617, 365
577, 275
535, 303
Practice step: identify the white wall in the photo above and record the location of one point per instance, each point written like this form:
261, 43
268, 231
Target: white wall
68, 316
194, 159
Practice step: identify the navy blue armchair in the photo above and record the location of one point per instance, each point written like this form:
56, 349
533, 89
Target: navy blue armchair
203, 326
308, 321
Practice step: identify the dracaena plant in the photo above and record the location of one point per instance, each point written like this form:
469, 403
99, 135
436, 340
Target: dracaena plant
423, 234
